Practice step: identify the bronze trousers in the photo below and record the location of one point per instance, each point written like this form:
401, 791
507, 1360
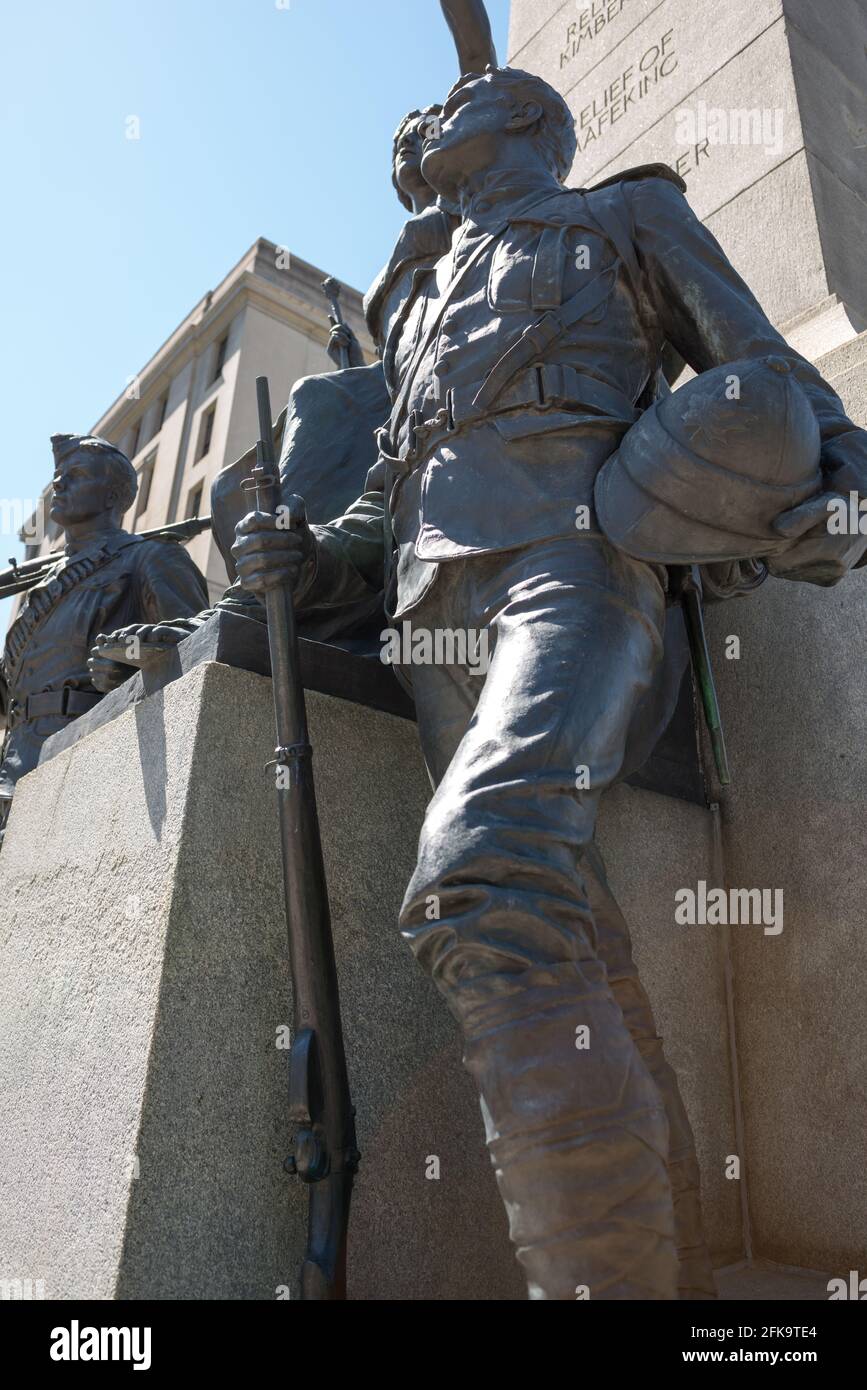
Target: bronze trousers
510, 912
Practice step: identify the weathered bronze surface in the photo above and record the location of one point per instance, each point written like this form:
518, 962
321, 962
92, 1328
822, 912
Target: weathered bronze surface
525, 329
104, 578
515, 367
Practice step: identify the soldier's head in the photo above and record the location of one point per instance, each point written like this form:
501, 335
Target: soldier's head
498, 120
412, 188
93, 481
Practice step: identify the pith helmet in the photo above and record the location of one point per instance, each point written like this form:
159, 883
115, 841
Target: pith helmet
705, 472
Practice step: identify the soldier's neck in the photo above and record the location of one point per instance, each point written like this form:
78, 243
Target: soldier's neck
422, 201
80, 535
518, 174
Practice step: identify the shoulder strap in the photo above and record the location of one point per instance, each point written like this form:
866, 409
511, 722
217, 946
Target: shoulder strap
433, 328
537, 339
620, 236
642, 171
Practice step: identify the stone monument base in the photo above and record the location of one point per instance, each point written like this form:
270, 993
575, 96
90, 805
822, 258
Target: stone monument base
144, 991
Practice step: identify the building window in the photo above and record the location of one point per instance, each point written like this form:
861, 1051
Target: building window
194, 502
134, 440
206, 431
162, 412
145, 478
220, 358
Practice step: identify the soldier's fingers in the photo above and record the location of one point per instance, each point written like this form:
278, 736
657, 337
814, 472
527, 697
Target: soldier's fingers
803, 518
105, 675
296, 508
165, 633
254, 522
285, 547
260, 581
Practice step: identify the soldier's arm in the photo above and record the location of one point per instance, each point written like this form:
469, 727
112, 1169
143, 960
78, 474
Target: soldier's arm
330, 566
170, 585
471, 31
712, 317
172, 597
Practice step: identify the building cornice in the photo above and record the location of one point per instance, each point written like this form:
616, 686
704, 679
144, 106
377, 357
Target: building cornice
292, 295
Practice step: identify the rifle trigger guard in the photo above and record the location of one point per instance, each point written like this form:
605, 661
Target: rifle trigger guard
309, 1159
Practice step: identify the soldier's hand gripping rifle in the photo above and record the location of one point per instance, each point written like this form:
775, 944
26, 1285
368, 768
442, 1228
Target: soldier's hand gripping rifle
325, 1154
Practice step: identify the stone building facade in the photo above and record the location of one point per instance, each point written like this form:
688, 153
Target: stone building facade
191, 410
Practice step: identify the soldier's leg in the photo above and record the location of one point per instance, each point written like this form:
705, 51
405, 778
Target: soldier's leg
695, 1272
578, 1135
447, 698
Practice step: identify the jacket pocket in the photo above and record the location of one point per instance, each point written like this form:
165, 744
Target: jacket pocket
527, 271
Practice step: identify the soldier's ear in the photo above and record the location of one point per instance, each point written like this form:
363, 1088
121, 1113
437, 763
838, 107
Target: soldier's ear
524, 116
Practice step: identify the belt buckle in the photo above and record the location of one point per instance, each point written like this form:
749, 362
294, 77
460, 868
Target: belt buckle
545, 401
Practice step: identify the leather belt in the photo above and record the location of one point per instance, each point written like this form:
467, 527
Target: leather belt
546, 386
65, 704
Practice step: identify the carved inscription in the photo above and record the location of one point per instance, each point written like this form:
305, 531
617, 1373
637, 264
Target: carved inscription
624, 94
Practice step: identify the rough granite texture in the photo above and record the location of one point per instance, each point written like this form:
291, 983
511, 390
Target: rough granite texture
143, 978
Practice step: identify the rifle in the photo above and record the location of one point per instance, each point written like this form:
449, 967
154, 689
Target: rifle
324, 1151
331, 290
20, 578
688, 586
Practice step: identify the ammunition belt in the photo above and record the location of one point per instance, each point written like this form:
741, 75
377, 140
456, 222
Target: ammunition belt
42, 601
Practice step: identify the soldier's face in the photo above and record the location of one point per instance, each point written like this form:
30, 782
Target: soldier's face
407, 161
472, 128
81, 489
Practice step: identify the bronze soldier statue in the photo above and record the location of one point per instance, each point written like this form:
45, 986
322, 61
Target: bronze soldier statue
104, 578
427, 234
325, 435
515, 367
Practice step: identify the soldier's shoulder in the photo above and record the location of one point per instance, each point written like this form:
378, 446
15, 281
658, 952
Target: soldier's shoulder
639, 173
567, 205
153, 550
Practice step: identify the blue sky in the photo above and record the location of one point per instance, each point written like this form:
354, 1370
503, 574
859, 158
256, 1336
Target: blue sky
257, 118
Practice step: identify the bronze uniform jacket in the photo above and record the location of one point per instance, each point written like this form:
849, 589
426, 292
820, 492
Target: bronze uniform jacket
142, 582
497, 427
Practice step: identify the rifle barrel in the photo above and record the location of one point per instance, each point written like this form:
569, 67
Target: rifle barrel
21, 577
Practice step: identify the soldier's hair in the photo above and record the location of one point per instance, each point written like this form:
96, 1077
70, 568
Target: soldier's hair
121, 471
554, 132
408, 119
